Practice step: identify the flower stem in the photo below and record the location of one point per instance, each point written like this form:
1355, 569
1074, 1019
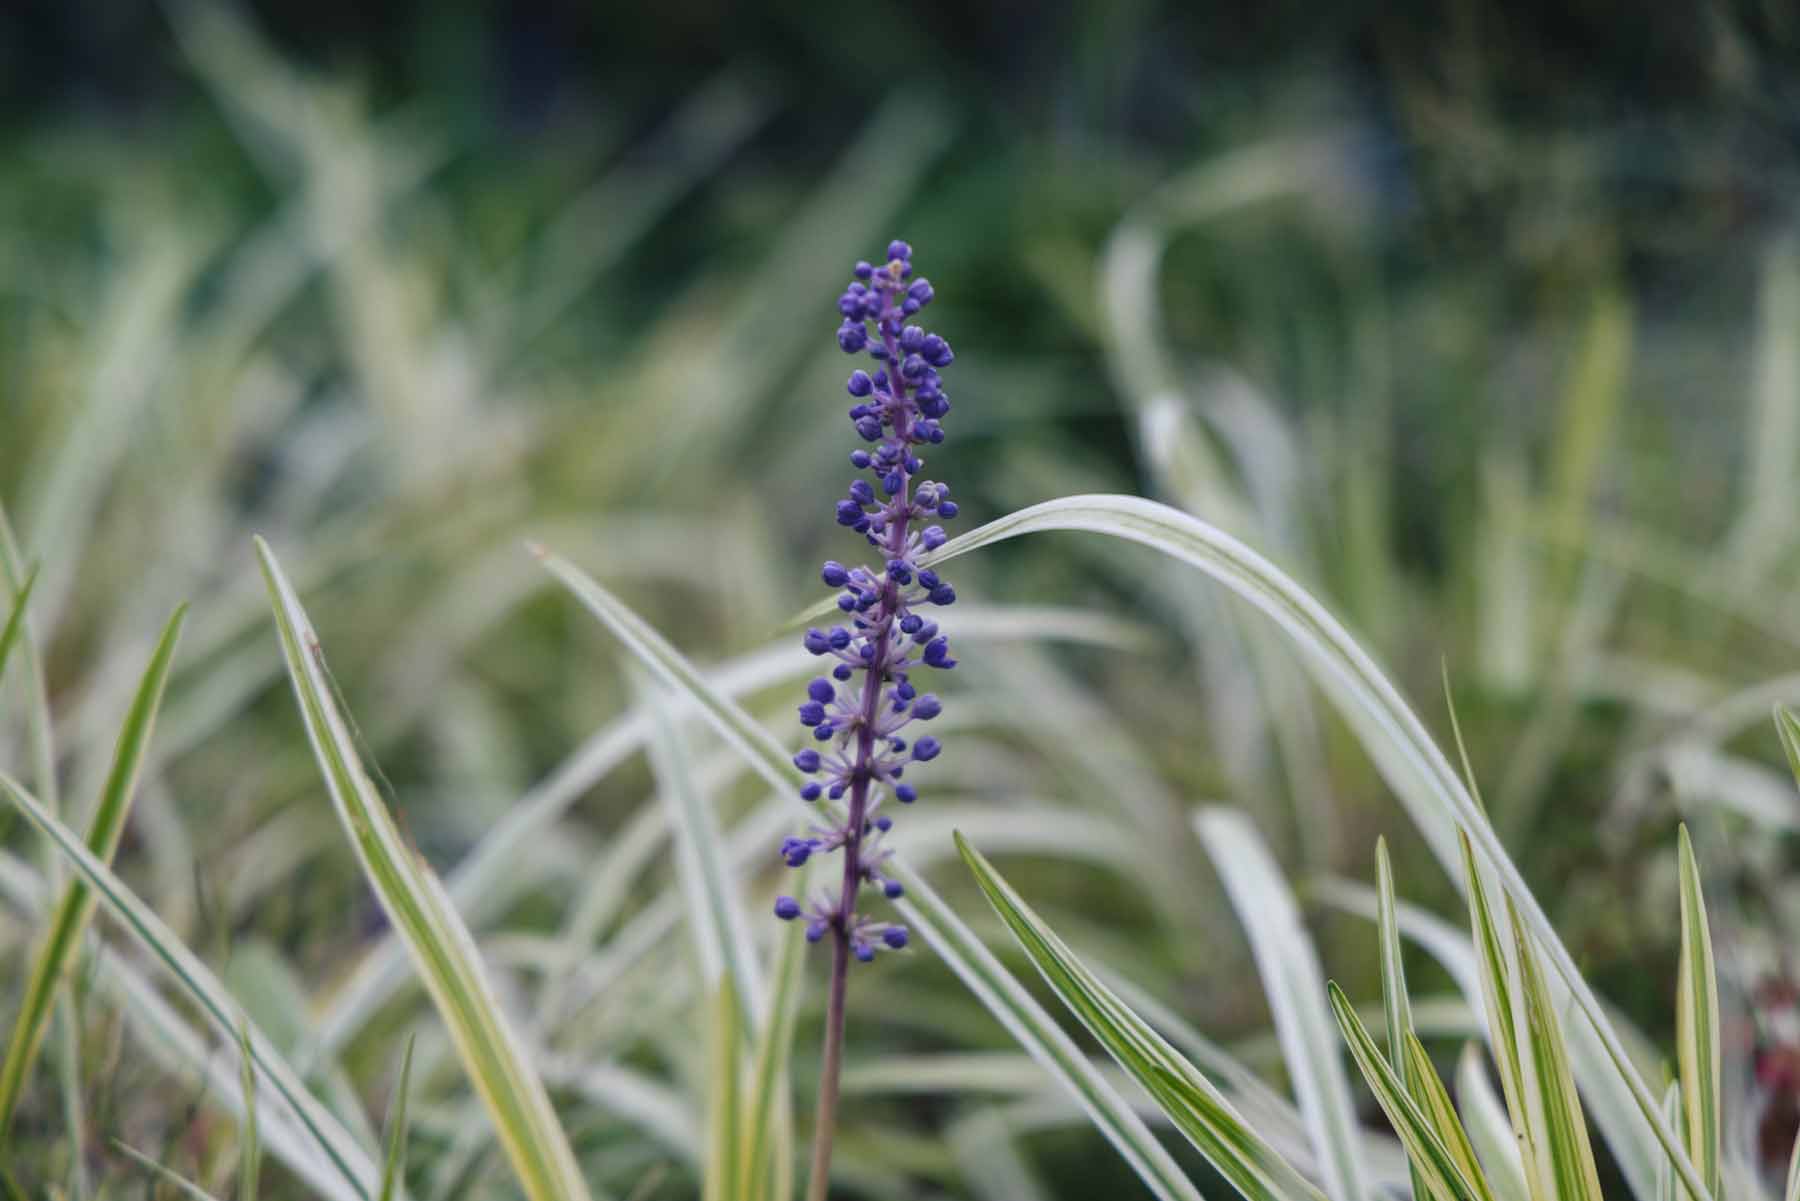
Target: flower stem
874, 677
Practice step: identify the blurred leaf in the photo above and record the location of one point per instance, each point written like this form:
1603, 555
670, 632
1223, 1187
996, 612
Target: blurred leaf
442, 947
15, 622
768, 1152
393, 1168
715, 911
346, 1156
1788, 727
1200, 1111
173, 1178
1697, 1021
1490, 1130
725, 1149
1295, 987
1666, 1189
76, 909
250, 1148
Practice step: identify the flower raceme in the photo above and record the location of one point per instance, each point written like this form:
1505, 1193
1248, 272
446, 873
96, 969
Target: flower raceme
859, 714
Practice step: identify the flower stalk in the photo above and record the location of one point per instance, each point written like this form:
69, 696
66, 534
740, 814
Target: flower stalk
898, 410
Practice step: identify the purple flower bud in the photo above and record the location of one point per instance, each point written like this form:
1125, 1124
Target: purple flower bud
906, 794
936, 351
862, 270
787, 908
863, 951
943, 594
913, 367
927, 707
904, 690
946, 509
859, 459
928, 579
810, 790
921, 291
815, 931
932, 537
807, 760
860, 384
884, 823
894, 936
821, 690
912, 339
816, 642
862, 494
840, 638
842, 671
852, 336
869, 428
892, 482
899, 250
848, 512
834, 574
911, 623
823, 731
893, 890
926, 749
812, 713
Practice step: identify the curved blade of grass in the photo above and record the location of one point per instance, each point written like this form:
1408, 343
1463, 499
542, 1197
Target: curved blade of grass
393, 1169
39, 723
724, 1093
1443, 1176
715, 911
250, 1154
1665, 1175
1788, 727
1697, 1021
167, 1175
1198, 1109
1397, 741
1396, 1004
1792, 1191
350, 1160
441, 945
1295, 986
768, 1131
925, 911
76, 908
15, 621
1490, 1130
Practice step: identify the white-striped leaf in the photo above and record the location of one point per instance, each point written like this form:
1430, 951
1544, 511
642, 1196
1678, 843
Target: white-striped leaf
1295, 986
441, 946
1198, 1109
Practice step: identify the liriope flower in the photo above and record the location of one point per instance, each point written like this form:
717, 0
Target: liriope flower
861, 712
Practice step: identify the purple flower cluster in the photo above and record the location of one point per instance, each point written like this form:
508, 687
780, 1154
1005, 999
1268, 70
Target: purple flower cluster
860, 713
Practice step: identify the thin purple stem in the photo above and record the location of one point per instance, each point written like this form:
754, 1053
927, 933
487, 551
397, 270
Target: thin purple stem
831, 1066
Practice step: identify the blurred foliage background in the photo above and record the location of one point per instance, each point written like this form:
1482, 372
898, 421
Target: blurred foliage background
1482, 320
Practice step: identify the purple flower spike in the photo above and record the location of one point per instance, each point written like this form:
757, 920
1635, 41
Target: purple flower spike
863, 748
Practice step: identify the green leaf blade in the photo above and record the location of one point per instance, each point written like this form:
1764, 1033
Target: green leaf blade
442, 948
1198, 1109
76, 908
